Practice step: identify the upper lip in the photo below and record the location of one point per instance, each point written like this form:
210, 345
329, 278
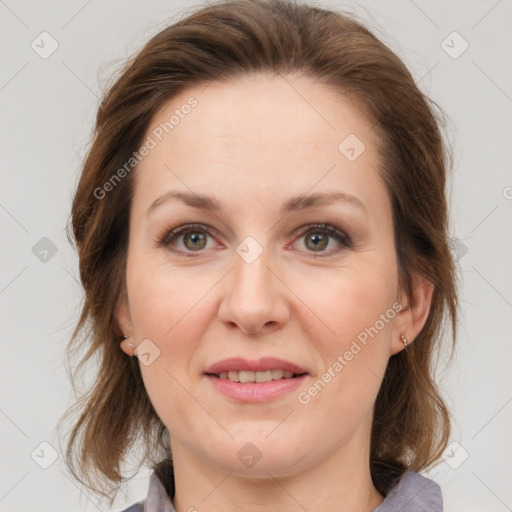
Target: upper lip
265, 363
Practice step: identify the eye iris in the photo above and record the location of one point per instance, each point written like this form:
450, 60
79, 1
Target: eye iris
319, 241
195, 238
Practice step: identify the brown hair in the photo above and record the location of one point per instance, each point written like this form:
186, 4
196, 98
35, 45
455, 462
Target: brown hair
411, 422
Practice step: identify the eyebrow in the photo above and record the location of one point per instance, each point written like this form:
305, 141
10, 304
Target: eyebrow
297, 203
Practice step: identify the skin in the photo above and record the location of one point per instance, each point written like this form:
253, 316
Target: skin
252, 143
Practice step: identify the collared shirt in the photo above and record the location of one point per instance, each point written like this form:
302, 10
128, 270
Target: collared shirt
413, 493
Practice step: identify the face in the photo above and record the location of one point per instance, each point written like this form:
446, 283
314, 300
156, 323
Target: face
311, 282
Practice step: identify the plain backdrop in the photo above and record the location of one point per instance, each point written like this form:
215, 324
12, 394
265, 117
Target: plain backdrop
459, 53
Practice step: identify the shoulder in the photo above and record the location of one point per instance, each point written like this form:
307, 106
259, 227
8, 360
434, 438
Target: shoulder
136, 507
157, 499
413, 493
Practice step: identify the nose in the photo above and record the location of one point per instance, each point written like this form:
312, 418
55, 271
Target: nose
254, 297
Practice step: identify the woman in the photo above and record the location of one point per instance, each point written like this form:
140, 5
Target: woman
261, 220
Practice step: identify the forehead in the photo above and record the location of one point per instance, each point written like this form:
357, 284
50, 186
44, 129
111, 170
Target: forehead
261, 109
258, 133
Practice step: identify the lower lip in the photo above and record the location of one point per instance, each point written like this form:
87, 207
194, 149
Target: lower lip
256, 391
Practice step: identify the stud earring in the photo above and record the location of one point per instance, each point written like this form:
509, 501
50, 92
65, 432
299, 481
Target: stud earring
125, 343
404, 340
129, 344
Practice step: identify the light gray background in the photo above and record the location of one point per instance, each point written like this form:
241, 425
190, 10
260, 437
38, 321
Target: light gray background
48, 108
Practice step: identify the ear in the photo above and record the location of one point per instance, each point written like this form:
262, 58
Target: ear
414, 313
124, 322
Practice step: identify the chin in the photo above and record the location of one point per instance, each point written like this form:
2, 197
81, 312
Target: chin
255, 455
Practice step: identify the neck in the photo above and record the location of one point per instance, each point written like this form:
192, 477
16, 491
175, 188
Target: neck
340, 482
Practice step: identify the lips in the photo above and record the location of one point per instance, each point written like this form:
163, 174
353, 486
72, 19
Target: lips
246, 367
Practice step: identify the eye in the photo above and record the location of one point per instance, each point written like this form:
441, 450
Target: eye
189, 237
193, 238
317, 237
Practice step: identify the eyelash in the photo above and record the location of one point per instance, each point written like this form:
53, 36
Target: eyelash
169, 236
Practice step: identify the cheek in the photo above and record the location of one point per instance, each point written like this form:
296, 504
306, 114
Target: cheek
167, 308
164, 302
347, 302
355, 305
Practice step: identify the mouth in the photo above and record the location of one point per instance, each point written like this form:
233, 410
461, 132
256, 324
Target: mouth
263, 380
246, 376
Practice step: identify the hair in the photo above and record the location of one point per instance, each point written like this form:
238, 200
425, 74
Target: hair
411, 425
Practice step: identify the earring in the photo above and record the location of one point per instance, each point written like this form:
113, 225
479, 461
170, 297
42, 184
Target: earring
129, 344
404, 340
124, 342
